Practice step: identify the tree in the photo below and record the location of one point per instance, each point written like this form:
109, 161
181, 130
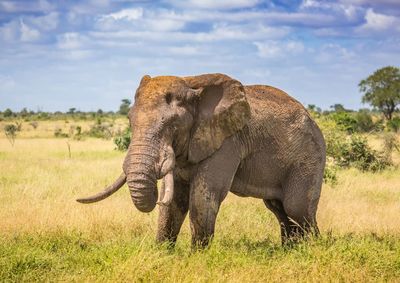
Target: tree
382, 90
124, 107
338, 108
71, 111
8, 113
24, 112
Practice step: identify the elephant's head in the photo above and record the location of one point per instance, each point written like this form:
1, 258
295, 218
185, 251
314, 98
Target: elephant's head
176, 121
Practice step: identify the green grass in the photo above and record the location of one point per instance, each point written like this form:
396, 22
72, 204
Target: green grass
74, 256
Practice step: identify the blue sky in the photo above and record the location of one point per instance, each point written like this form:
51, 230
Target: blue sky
91, 54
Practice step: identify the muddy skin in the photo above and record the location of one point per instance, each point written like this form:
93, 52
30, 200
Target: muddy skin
207, 135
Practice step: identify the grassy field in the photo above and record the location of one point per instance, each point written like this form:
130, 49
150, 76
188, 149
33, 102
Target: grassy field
46, 236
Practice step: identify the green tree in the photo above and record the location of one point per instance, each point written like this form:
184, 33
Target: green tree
24, 112
338, 108
71, 111
382, 90
124, 107
8, 113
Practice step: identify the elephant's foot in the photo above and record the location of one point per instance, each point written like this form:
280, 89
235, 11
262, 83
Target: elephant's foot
292, 232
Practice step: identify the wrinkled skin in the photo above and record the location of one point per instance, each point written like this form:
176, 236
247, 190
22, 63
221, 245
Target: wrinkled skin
208, 135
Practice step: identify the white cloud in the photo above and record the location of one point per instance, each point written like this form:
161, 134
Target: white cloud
294, 47
372, 2
213, 4
126, 14
219, 32
137, 19
25, 6
48, 22
71, 40
184, 50
275, 49
102, 3
165, 25
378, 22
8, 6
78, 54
10, 31
333, 53
350, 11
28, 34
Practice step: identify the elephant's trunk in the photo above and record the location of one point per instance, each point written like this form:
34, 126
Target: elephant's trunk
139, 168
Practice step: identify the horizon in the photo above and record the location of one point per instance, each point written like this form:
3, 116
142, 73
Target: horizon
90, 55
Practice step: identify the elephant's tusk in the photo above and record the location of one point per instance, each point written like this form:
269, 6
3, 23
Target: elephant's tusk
168, 186
107, 192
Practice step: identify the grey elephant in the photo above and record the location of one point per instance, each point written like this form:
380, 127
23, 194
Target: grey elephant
208, 135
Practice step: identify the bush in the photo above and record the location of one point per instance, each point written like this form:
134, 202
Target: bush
354, 151
34, 124
122, 141
43, 116
11, 132
345, 121
389, 144
364, 121
100, 130
394, 124
58, 133
330, 176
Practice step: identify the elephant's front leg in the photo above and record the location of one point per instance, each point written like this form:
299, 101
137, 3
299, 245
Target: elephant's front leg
209, 188
171, 217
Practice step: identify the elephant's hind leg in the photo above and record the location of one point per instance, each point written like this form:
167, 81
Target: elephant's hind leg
301, 195
171, 217
286, 226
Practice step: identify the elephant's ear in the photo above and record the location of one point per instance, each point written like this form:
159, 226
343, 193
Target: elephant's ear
222, 110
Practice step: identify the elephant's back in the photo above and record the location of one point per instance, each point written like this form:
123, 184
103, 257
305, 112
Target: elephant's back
282, 123
267, 99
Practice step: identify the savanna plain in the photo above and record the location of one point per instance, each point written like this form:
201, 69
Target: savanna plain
45, 235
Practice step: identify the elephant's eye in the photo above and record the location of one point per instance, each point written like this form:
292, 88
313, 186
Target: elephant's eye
168, 97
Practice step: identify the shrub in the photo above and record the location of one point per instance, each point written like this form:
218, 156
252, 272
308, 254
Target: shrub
34, 124
11, 132
75, 132
58, 133
394, 124
364, 121
43, 116
389, 144
355, 151
122, 141
330, 176
345, 121
349, 150
100, 130
8, 113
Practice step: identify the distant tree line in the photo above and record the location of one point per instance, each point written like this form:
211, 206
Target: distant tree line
73, 112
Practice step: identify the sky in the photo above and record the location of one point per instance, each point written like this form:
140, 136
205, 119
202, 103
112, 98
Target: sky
55, 55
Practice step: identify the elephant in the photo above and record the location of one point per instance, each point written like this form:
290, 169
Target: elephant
208, 135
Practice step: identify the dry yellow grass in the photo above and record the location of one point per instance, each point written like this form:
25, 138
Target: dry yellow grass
39, 184
47, 128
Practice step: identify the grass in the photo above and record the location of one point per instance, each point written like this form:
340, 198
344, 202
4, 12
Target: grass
46, 236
